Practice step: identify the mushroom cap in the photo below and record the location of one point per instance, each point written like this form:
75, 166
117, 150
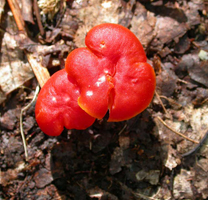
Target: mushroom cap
57, 106
112, 73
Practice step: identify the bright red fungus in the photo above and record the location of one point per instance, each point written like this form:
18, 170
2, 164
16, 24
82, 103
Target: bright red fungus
112, 73
57, 106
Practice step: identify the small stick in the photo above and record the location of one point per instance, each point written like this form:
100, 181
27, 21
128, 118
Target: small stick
37, 14
159, 99
122, 130
182, 81
197, 147
21, 124
171, 101
178, 133
205, 100
40, 72
17, 15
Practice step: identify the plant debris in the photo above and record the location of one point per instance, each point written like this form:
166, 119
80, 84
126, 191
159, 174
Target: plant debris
141, 158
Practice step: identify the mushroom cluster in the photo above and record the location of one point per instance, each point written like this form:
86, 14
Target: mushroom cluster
110, 73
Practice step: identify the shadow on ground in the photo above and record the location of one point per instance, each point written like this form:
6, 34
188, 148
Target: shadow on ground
108, 161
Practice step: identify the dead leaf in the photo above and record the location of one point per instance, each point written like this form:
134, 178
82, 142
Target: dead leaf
151, 176
183, 45
11, 174
182, 185
166, 82
27, 11
198, 70
143, 24
2, 4
14, 70
163, 191
201, 175
192, 12
124, 141
42, 178
8, 119
166, 30
120, 158
97, 12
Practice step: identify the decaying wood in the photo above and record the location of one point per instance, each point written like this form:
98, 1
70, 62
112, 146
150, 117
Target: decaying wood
41, 72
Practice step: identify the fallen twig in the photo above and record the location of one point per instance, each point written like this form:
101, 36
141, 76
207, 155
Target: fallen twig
21, 124
37, 14
161, 103
122, 130
178, 133
40, 72
171, 101
17, 15
205, 100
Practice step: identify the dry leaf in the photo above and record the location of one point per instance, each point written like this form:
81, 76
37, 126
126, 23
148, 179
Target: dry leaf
2, 4
14, 68
201, 176
27, 11
182, 185
143, 24
97, 12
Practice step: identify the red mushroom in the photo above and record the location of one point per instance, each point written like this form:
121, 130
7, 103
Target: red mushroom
57, 106
112, 73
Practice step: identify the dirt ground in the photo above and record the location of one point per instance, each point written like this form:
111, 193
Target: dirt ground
160, 154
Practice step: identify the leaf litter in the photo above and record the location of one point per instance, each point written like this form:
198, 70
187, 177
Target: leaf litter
137, 159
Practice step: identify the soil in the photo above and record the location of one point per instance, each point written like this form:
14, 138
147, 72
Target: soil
141, 158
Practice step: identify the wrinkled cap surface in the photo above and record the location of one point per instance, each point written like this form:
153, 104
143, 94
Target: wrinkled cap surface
112, 73
57, 106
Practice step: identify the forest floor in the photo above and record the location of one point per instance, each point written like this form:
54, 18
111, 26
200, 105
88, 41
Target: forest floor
142, 158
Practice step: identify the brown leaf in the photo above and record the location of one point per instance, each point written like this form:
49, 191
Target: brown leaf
201, 176
182, 185
42, 178
166, 82
143, 24
183, 45
198, 70
95, 13
166, 30
8, 119
2, 4
14, 70
27, 12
